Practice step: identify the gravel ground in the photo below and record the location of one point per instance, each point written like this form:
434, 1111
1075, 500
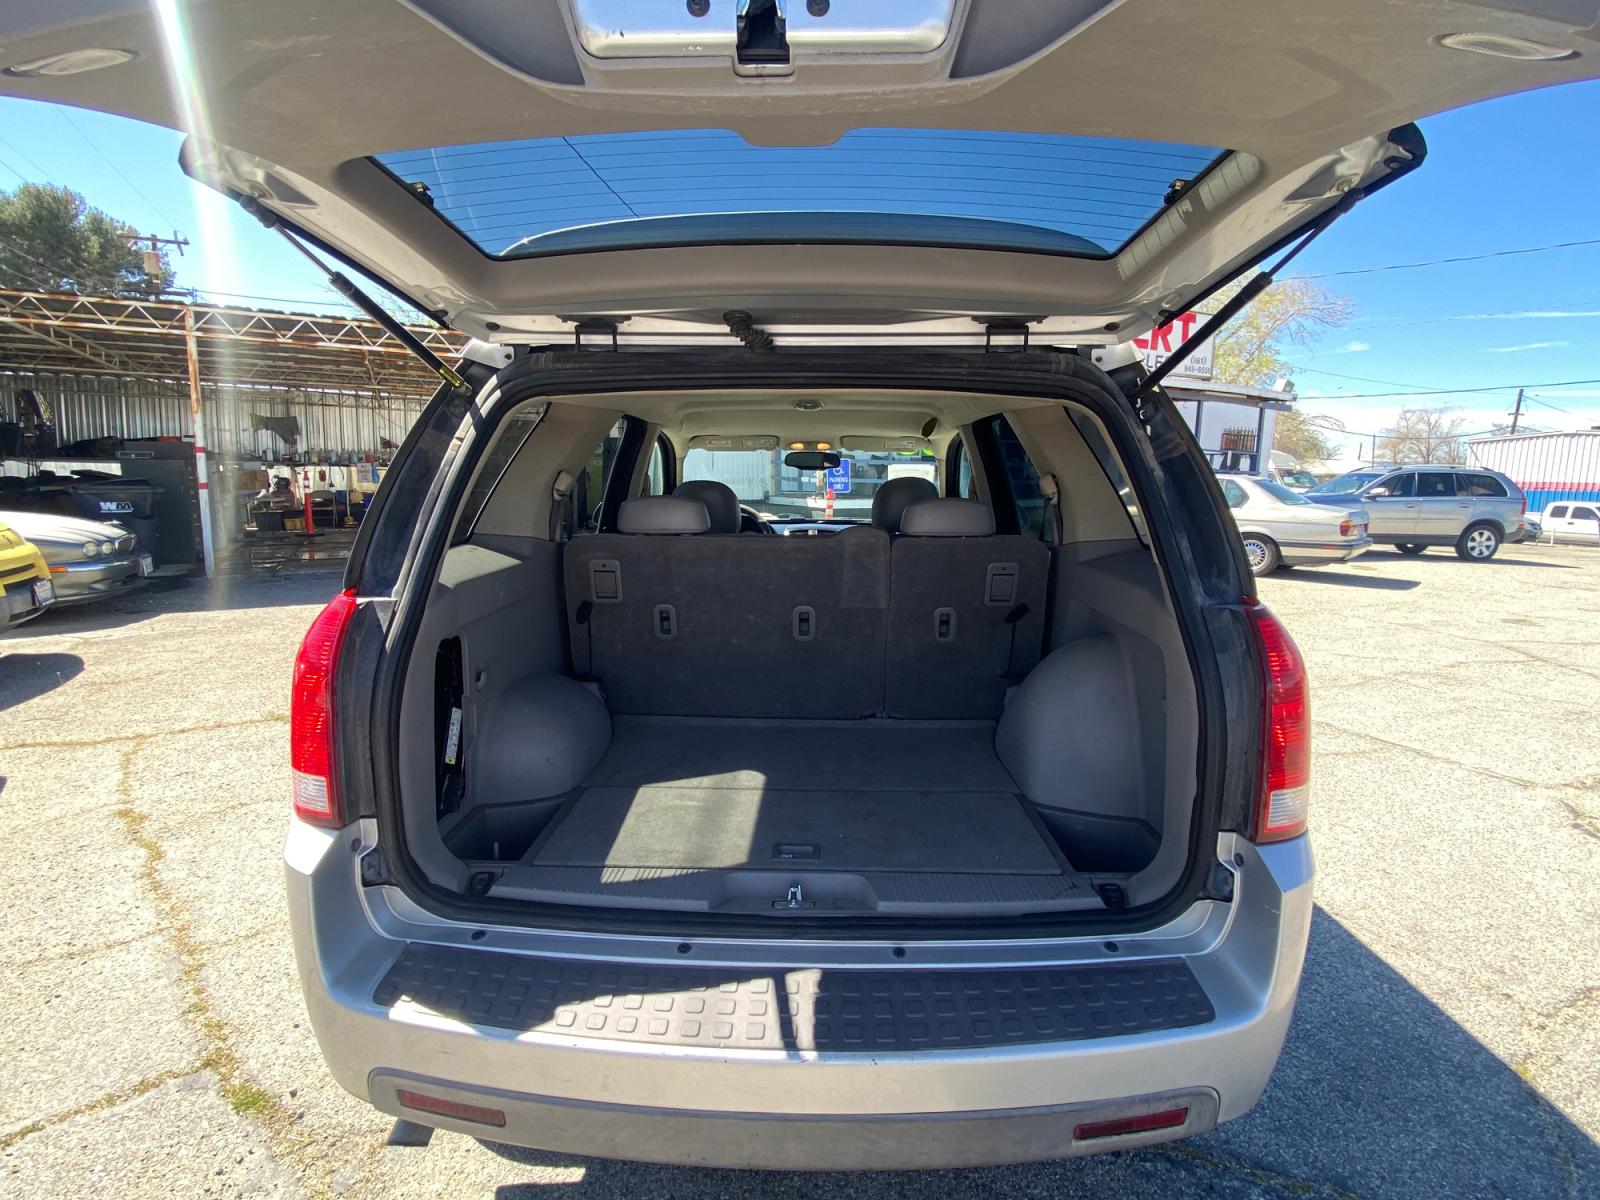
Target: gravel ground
1447, 1040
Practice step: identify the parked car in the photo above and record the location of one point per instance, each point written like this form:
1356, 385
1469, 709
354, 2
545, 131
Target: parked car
87, 559
25, 586
666, 841
1569, 521
1414, 507
1294, 478
1282, 528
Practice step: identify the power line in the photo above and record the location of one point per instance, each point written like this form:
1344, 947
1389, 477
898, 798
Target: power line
19, 153
1460, 258
106, 159
1500, 387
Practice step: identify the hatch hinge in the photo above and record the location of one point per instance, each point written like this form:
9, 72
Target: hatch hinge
345, 287
594, 327
1000, 337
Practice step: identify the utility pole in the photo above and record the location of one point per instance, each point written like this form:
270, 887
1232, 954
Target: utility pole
1516, 414
151, 245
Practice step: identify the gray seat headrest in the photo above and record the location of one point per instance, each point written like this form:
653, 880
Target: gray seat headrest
890, 501
722, 504
663, 514
948, 518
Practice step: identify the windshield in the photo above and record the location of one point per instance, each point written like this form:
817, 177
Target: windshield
1297, 479
760, 480
1280, 493
1352, 482
1045, 192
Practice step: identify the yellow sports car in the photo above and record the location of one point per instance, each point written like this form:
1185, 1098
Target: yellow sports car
24, 577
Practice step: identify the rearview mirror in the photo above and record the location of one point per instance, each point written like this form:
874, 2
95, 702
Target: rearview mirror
811, 460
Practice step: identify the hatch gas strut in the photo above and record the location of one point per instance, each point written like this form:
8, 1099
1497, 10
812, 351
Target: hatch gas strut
1262, 280
347, 288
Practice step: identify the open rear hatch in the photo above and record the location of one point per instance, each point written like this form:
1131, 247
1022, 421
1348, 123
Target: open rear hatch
513, 168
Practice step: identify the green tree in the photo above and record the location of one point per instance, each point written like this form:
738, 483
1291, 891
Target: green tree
52, 241
1289, 313
1301, 435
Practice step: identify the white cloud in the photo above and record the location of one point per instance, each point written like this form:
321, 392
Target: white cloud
1526, 346
1355, 348
1531, 314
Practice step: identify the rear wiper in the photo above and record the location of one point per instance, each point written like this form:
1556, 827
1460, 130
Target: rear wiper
343, 284
1263, 280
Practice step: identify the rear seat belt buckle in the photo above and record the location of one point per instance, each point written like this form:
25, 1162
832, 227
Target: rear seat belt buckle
1000, 588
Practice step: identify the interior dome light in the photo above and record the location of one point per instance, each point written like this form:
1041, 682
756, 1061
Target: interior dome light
73, 62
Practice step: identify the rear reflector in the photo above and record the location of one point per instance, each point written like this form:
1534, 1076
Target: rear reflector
1168, 1119
316, 798
475, 1113
1285, 792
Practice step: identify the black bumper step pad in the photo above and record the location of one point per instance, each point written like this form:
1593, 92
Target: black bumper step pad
796, 1008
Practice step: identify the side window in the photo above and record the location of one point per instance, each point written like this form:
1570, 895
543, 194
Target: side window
961, 471
1559, 511
1584, 514
590, 490
1234, 494
1033, 511
507, 444
1433, 484
1475, 484
659, 477
1403, 484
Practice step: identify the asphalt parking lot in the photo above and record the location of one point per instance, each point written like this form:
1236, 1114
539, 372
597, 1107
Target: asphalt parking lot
1447, 1040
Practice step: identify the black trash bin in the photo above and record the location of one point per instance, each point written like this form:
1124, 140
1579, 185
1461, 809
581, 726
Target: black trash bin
131, 503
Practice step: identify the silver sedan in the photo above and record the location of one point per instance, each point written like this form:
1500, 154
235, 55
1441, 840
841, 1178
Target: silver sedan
87, 559
1282, 528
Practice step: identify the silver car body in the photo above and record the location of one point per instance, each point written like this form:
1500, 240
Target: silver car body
1428, 505
1303, 531
78, 575
599, 1094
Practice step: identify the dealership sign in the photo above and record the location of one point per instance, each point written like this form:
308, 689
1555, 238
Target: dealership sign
1157, 346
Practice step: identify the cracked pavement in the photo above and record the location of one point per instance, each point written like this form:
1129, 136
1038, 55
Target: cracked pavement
1446, 1043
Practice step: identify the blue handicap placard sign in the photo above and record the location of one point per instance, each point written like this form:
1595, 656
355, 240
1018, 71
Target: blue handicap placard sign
839, 477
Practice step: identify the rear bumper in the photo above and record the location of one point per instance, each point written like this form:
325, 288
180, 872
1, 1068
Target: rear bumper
1310, 553
19, 602
803, 1103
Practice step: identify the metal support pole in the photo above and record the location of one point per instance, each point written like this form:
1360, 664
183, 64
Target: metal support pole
197, 423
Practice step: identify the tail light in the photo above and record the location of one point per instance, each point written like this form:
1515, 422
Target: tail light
1346, 527
316, 794
1285, 792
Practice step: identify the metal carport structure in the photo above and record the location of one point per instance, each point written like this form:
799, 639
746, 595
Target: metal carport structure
110, 367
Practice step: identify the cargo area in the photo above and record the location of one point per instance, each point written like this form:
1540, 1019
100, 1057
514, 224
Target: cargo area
938, 710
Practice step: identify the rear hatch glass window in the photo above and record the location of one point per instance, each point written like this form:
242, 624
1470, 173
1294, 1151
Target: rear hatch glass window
1048, 193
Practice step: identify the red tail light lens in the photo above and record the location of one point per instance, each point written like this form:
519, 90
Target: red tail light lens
1346, 528
316, 797
1285, 794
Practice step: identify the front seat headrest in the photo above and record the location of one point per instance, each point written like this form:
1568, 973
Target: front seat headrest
663, 514
948, 518
722, 505
890, 501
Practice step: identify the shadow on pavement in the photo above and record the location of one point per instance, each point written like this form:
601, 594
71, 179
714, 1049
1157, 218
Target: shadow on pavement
25, 677
183, 594
1446, 556
1380, 583
1379, 1093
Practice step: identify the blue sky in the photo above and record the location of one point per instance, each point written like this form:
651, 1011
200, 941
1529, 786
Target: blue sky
1512, 173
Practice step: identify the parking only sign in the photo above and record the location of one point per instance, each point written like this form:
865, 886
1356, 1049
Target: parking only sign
839, 477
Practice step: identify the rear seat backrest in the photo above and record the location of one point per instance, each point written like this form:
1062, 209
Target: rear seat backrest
728, 626
966, 612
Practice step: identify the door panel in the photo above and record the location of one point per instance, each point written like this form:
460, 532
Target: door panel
1393, 515
1440, 512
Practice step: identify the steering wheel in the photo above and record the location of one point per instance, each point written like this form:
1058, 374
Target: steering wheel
750, 521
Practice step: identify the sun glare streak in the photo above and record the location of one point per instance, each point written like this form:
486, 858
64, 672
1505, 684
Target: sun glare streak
215, 249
